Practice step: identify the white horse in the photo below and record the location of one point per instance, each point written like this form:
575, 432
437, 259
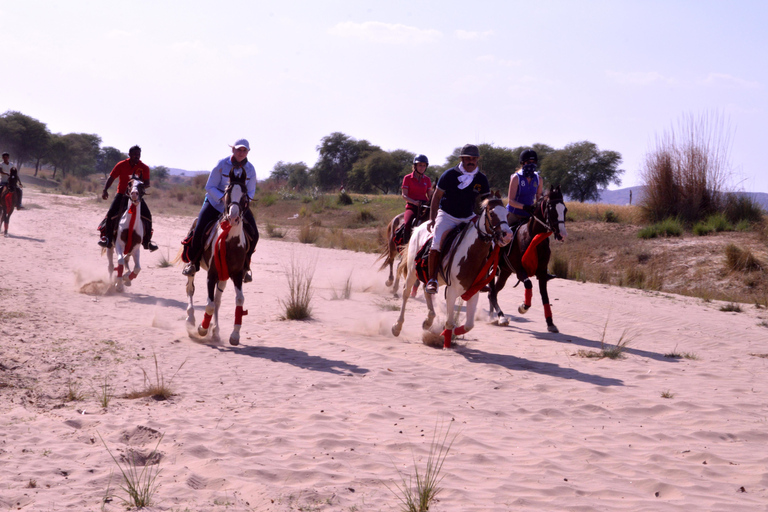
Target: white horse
463, 265
130, 232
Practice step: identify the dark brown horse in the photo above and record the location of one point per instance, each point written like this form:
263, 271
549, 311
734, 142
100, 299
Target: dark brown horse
395, 244
8, 199
548, 219
224, 258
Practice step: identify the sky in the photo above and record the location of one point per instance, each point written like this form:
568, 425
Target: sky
185, 79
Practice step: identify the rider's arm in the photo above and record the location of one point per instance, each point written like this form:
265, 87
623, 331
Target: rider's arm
252, 180
146, 178
408, 199
513, 185
435, 204
105, 194
212, 185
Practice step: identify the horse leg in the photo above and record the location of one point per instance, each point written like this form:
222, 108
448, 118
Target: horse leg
190, 295
496, 286
210, 306
409, 280
234, 338
547, 306
218, 292
135, 254
450, 305
526, 305
390, 262
110, 262
469, 323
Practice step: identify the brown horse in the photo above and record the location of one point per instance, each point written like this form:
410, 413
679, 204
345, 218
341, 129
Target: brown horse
393, 249
224, 258
548, 219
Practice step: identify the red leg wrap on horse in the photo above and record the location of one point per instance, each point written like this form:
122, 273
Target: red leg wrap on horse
206, 320
239, 314
119, 271
132, 276
547, 311
459, 331
528, 297
447, 338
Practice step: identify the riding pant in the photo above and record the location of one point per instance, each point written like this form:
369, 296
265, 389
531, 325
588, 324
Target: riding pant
411, 212
445, 222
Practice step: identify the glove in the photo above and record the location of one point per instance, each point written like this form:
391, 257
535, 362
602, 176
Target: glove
528, 208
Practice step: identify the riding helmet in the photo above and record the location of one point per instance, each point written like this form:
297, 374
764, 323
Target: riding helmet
420, 158
527, 155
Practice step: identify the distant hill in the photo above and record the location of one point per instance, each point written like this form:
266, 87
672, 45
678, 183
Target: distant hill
184, 172
621, 196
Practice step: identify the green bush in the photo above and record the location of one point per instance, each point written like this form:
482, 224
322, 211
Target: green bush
702, 229
718, 222
610, 216
344, 199
742, 207
668, 227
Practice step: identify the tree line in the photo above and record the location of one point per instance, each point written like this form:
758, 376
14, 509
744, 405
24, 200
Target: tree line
580, 168
30, 142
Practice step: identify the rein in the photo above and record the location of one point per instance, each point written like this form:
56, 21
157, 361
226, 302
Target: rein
131, 224
220, 251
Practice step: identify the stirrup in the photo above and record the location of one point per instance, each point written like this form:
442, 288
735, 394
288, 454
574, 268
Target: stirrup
247, 277
103, 242
431, 287
152, 246
189, 270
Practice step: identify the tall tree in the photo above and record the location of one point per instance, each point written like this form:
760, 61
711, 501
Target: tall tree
582, 170
338, 153
24, 137
378, 170
159, 174
74, 152
108, 157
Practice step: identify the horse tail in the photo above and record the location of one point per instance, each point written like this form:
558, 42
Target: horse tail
385, 249
177, 259
402, 267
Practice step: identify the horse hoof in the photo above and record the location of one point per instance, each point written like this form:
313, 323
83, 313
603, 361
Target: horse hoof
552, 328
202, 331
523, 309
396, 329
396, 295
389, 282
503, 321
234, 340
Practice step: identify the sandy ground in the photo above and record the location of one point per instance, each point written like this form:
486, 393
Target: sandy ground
327, 414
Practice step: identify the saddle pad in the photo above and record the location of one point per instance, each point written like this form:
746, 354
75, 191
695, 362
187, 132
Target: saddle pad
422, 261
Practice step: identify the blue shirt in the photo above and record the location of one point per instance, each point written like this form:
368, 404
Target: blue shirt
218, 182
526, 193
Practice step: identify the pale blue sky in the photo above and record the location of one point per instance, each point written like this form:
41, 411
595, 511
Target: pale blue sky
184, 79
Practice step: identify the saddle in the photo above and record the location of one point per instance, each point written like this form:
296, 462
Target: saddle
102, 229
207, 236
451, 240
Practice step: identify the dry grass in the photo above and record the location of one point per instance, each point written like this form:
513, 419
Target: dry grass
615, 351
298, 304
159, 389
139, 484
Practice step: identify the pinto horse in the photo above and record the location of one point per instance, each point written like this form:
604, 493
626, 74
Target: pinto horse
224, 258
8, 200
529, 253
130, 231
466, 266
393, 249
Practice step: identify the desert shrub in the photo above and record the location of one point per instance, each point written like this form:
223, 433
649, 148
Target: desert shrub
668, 227
73, 185
267, 199
740, 259
685, 174
702, 229
344, 199
297, 305
741, 207
273, 232
610, 216
365, 216
308, 234
718, 222
559, 266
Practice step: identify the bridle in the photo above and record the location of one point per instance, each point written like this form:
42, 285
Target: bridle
243, 203
491, 231
550, 205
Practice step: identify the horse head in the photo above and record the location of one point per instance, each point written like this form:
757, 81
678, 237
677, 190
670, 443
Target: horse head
135, 189
235, 198
555, 212
495, 223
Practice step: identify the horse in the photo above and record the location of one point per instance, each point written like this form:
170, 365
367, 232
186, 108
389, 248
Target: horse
8, 200
224, 258
548, 218
130, 231
392, 248
466, 265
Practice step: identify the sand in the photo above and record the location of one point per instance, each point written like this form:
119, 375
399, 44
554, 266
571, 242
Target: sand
330, 414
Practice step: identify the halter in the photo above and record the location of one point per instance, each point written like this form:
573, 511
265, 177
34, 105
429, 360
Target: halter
544, 214
488, 231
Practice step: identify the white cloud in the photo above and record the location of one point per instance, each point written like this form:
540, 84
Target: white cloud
639, 77
470, 35
492, 59
378, 32
244, 50
721, 79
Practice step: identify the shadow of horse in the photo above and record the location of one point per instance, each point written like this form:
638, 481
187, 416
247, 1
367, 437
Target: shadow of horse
297, 358
151, 300
27, 238
515, 363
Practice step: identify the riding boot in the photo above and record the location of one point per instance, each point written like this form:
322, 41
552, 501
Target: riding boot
432, 268
247, 276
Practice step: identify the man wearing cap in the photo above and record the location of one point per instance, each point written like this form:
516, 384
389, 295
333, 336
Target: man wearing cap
123, 172
213, 206
456, 195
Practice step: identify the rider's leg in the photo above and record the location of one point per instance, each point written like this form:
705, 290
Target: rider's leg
18, 198
112, 216
208, 215
146, 217
253, 233
432, 267
408, 218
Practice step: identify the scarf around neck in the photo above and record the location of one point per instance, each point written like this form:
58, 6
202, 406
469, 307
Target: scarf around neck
466, 178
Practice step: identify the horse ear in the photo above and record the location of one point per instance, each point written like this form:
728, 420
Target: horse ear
497, 194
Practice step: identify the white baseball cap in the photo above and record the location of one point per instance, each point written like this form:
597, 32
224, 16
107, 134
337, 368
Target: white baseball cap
242, 143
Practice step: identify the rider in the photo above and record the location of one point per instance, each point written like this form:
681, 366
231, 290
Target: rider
456, 194
416, 187
5, 170
123, 172
213, 205
525, 188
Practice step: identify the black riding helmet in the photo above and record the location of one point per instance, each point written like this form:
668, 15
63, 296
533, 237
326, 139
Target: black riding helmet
527, 155
420, 159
